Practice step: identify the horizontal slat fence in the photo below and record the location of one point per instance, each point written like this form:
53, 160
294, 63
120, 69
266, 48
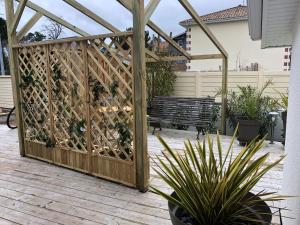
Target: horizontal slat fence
202, 84
6, 97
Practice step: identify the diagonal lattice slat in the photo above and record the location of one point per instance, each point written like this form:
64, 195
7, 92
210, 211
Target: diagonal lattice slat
35, 110
90, 86
68, 91
110, 76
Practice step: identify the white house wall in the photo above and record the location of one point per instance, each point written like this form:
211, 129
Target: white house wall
234, 36
291, 172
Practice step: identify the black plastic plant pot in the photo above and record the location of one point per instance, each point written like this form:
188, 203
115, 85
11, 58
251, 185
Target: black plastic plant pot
260, 212
248, 130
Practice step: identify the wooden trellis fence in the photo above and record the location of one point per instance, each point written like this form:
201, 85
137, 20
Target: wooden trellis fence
81, 102
77, 104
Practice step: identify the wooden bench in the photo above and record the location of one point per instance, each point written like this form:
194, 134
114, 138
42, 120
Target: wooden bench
181, 111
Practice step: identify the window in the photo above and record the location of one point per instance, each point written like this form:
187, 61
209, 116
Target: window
285, 64
286, 49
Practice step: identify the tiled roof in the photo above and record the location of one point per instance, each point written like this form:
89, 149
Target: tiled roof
239, 12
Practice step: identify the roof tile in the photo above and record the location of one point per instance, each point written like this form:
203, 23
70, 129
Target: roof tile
238, 12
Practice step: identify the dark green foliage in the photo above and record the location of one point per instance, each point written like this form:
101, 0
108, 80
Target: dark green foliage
212, 129
114, 88
160, 79
57, 77
33, 37
123, 130
97, 90
77, 127
3, 29
250, 103
27, 80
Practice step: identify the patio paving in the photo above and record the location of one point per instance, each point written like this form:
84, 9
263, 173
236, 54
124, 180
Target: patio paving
35, 192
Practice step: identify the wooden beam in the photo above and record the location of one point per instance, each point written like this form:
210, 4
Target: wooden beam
14, 72
55, 18
33, 20
153, 26
91, 15
193, 57
140, 104
18, 14
188, 7
101, 21
224, 94
65, 40
150, 8
127, 4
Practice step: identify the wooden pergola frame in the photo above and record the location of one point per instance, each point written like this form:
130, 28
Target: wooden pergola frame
141, 17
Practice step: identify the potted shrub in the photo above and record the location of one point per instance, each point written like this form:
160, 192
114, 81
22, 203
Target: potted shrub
250, 109
215, 190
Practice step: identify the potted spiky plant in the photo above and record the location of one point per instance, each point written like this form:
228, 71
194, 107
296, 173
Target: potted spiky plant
250, 109
213, 188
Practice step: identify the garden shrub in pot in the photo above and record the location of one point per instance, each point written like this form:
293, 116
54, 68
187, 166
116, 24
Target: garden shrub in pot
250, 109
213, 188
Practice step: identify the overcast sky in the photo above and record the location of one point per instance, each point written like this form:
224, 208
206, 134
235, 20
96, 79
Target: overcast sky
167, 15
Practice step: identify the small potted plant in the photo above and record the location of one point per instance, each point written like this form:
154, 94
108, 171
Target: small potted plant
213, 188
250, 109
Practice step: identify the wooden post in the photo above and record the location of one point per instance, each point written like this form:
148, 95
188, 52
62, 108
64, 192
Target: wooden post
224, 94
13, 63
140, 120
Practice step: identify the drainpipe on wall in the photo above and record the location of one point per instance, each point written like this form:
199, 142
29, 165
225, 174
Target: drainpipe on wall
291, 171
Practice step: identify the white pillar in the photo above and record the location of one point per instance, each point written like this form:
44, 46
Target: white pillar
291, 172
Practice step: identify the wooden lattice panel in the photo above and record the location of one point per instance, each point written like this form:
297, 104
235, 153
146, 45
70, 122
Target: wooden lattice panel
77, 104
111, 97
68, 95
35, 101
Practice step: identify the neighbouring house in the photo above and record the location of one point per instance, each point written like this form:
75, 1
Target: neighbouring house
276, 23
230, 26
164, 47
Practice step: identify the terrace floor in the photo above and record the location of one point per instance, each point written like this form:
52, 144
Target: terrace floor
34, 192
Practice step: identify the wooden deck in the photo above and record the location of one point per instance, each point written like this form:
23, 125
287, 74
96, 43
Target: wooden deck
35, 192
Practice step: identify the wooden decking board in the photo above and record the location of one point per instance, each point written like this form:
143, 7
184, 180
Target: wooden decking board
42, 169
80, 199
7, 222
91, 193
59, 207
92, 183
22, 218
34, 192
